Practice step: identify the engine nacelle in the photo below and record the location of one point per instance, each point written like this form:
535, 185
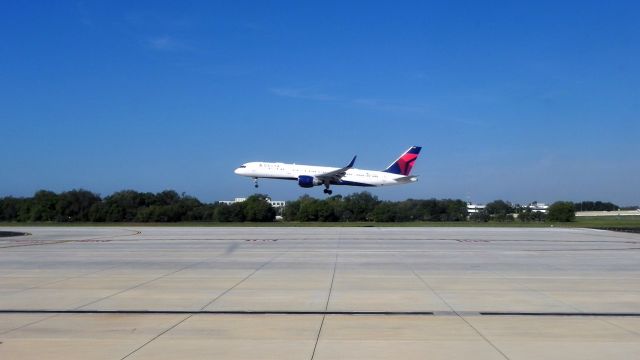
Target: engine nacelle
307, 181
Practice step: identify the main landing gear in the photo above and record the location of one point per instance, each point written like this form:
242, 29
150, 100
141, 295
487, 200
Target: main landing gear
255, 182
326, 190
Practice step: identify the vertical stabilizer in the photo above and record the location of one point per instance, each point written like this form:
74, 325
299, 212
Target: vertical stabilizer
404, 164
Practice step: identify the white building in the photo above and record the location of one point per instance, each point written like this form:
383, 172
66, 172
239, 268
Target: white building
534, 206
229, 202
278, 204
475, 208
538, 207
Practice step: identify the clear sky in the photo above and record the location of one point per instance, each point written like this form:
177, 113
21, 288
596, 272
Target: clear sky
523, 102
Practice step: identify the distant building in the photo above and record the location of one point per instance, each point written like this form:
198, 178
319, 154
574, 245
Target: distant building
538, 207
229, 202
609, 213
475, 208
278, 204
534, 206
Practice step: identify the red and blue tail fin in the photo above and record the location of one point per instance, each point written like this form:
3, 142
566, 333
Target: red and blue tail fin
404, 164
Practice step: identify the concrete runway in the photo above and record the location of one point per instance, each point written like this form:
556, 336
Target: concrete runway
319, 293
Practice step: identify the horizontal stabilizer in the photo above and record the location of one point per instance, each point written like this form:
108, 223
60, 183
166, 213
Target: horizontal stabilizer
407, 179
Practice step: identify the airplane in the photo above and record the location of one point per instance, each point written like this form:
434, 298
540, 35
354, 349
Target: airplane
309, 176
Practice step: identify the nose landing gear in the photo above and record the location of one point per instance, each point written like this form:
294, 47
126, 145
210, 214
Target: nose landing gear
255, 182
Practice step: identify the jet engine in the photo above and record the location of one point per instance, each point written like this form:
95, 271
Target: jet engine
307, 181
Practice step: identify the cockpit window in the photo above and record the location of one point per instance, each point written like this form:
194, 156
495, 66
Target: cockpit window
243, 166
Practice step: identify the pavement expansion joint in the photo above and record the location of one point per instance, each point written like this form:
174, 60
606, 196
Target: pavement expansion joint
303, 312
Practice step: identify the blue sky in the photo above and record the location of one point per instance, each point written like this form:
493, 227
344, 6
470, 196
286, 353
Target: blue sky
537, 101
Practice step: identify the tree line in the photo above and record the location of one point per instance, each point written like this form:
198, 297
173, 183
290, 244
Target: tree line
366, 207
595, 206
169, 206
500, 210
130, 206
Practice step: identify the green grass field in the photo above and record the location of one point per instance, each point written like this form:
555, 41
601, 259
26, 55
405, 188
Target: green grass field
624, 223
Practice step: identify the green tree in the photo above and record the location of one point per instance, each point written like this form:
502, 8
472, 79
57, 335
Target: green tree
326, 211
44, 206
563, 211
222, 213
480, 216
202, 212
291, 210
527, 214
147, 214
308, 209
595, 206
405, 210
258, 209
385, 212
183, 207
98, 212
500, 210
9, 208
360, 205
75, 205
456, 210
165, 198
123, 205
499, 207
229, 213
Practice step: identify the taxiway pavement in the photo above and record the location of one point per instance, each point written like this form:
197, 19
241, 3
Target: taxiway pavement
319, 293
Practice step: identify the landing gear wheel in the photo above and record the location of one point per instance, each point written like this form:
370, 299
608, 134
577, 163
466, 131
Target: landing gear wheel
255, 182
327, 191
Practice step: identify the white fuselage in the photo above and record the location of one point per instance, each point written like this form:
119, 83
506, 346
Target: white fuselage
353, 177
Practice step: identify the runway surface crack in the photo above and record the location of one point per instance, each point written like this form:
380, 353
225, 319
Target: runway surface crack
326, 305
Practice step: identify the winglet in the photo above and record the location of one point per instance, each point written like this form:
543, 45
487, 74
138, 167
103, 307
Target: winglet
351, 163
337, 174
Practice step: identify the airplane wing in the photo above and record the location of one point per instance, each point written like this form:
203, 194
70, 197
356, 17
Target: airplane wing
336, 175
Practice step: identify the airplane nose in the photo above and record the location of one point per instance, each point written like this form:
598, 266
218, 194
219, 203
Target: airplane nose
237, 171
